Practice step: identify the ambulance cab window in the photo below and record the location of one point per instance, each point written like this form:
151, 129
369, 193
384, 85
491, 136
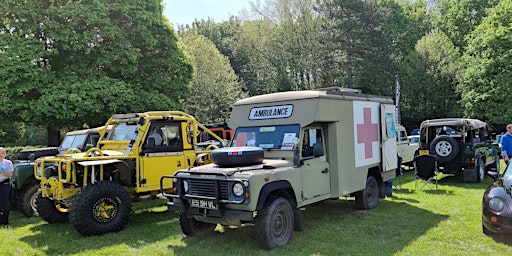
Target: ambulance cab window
312, 143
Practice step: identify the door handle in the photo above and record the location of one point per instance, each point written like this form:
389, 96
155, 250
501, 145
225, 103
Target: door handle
325, 170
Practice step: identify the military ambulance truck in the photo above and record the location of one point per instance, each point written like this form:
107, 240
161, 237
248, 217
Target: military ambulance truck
290, 150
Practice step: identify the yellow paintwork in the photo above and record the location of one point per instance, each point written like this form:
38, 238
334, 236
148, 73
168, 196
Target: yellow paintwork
149, 167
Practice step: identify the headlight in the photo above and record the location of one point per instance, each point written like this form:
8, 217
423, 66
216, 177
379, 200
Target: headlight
496, 204
185, 186
238, 189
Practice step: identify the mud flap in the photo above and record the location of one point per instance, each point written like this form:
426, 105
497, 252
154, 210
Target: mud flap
470, 174
297, 219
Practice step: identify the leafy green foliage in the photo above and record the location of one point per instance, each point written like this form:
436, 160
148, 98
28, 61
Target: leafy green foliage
82, 61
215, 87
485, 80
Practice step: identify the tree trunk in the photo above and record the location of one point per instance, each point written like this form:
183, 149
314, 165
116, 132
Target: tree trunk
53, 137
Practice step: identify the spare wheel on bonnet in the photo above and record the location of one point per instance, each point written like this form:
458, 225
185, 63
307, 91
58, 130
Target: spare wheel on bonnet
237, 156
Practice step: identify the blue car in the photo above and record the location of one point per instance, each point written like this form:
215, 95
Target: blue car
497, 205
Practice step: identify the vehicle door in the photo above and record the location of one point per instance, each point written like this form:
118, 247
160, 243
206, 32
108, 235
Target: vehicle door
314, 166
161, 159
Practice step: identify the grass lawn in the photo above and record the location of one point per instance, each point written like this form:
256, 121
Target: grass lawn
408, 223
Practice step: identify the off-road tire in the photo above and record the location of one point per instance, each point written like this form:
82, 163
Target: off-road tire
191, 227
37, 152
237, 156
27, 199
274, 224
50, 210
445, 148
480, 170
100, 208
369, 197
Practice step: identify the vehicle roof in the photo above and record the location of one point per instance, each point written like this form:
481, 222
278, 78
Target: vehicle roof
453, 122
97, 129
330, 92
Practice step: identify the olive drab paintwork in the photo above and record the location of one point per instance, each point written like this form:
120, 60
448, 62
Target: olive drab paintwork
129, 153
317, 144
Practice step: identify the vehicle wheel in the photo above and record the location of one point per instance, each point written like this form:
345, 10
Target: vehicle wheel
50, 210
100, 208
191, 227
237, 156
274, 224
480, 168
445, 148
369, 197
27, 199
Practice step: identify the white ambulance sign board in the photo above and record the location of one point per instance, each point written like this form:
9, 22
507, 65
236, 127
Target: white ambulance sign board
273, 112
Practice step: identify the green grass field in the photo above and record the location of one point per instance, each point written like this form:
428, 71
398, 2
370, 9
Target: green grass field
408, 223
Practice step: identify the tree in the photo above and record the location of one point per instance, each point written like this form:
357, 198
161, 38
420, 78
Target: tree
357, 50
215, 87
430, 73
82, 61
458, 18
485, 80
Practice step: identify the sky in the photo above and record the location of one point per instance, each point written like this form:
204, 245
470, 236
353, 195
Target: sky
185, 11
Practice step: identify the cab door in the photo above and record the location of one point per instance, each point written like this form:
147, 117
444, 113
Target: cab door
314, 166
163, 159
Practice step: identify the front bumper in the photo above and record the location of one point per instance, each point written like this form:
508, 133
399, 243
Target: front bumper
219, 216
502, 225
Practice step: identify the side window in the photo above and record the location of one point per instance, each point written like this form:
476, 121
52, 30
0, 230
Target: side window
312, 143
403, 136
91, 141
164, 137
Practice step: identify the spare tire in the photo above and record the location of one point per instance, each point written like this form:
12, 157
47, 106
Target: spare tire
27, 154
445, 148
237, 156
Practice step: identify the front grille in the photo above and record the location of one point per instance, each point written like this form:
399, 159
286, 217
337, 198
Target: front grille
217, 189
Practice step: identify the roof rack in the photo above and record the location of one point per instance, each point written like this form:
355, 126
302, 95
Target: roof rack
338, 90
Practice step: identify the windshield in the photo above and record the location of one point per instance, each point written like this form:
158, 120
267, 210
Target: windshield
284, 137
73, 141
123, 132
508, 171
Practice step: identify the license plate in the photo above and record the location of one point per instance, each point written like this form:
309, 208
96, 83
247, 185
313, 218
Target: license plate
424, 152
200, 203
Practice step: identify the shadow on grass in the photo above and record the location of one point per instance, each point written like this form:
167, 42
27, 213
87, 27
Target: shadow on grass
331, 227
149, 222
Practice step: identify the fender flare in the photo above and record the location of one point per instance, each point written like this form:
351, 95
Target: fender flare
275, 186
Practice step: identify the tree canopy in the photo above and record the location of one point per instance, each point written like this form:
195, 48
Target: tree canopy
74, 62
215, 86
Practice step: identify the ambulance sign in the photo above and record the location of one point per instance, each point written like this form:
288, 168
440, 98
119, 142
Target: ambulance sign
273, 112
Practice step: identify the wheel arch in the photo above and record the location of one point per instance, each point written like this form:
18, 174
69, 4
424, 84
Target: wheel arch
375, 172
274, 189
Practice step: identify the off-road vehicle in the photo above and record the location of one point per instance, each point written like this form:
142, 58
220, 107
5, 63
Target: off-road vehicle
94, 189
290, 150
460, 145
25, 185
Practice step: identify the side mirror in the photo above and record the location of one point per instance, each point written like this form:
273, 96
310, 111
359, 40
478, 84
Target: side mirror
318, 149
493, 175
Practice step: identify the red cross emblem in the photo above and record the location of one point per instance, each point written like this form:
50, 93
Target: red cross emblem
367, 133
